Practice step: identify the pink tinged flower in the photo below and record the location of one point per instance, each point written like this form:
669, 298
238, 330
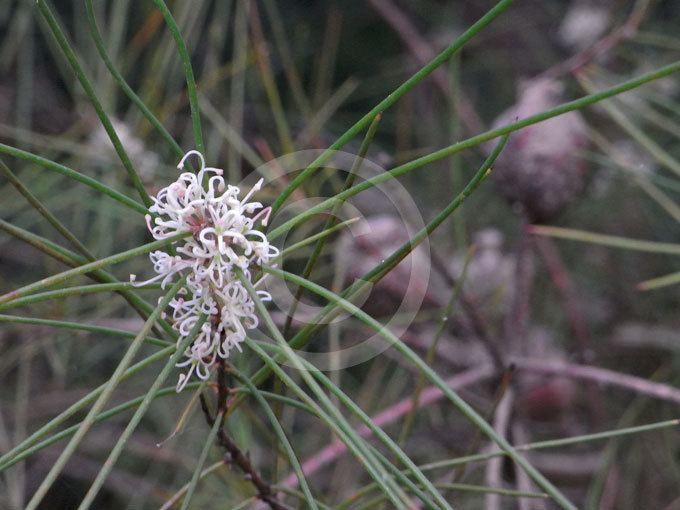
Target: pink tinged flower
221, 236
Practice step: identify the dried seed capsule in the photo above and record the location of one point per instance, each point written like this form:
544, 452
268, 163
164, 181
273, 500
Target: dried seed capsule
542, 168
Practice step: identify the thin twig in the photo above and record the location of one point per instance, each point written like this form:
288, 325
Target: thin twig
517, 318
504, 386
562, 280
423, 52
472, 312
600, 375
494, 469
234, 454
523, 482
390, 415
561, 368
577, 62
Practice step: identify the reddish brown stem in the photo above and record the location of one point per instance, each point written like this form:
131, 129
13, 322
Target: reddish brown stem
517, 317
234, 455
572, 307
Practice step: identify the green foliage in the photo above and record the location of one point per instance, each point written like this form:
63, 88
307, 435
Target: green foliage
275, 406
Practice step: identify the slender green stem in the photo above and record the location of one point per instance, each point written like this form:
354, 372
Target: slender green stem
267, 78
103, 398
72, 58
555, 443
288, 63
87, 268
72, 174
612, 157
44, 211
188, 71
434, 378
237, 92
402, 252
455, 133
406, 481
376, 430
306, 368
6, 458
238, 146
280, 434
661, 281
44, 245
139, 414
332, 219
637, 133
101, 48
74, 291
276, 397
301, 338
607, 240
390, 100
310, 239
209, 443
299, 495
243, 505
477, 140
382, 479
432, 350
445, 464
78, 326
28, 450
74, 260
464, 487
131, 404
169, 503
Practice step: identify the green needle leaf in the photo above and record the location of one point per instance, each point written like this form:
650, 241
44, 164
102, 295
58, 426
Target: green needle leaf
103, 398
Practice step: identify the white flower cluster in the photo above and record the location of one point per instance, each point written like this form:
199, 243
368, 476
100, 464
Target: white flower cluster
223, 237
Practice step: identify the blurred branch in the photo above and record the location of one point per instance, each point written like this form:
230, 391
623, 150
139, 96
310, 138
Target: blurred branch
390, 415
494, 469
608, 42
576, 371
602, 376
477, 374
472, 312
423, 52
518, 316
572, 306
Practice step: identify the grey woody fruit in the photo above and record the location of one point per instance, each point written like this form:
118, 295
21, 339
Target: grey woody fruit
542, 168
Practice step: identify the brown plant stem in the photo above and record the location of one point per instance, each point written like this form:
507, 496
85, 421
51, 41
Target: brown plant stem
565, 286
517, 318
234, 455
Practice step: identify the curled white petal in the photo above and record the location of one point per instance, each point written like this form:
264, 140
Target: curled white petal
222, 237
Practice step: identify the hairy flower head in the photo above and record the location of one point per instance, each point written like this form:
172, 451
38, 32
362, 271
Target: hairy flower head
223, 237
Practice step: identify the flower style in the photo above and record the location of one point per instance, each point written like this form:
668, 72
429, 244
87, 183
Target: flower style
223, 238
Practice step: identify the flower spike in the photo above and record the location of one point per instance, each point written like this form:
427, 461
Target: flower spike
223, 239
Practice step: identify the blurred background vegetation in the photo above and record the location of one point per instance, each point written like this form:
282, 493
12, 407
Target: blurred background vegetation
281, 76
